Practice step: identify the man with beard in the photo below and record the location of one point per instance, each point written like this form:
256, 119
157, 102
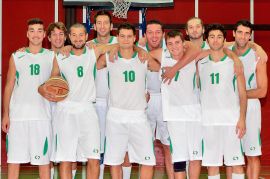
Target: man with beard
76, 123
256, 84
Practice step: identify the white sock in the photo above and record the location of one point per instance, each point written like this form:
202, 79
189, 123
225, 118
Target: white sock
214, 177
101, 171
238, 176
73, 174
126, 172
52, 173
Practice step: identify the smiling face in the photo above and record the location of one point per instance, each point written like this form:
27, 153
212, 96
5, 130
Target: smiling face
175, 45
242, 35
57, 38
126, 38
154, 35
35, 34
78, 37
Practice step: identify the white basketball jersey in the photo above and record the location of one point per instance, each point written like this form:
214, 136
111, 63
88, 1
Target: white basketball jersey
153, 79
32, 70
80, 72
218, 92
205, 46
127, 78
249, 61
102, 75
180, 101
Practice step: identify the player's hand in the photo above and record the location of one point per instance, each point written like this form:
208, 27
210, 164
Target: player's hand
46, 94
5, 124
147, 96
168, 74
21, 49
66, 50
90, 45
143, 55
113, 55
142, 41
241, 128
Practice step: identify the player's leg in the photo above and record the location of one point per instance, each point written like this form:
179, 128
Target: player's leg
147, 172
194, 169
213, 172
13, 170
52, 170
228, 172
252, 139
65, 170
116, 171
126, 167
74, 169
44, 171
168, 161
92, 169
233, 153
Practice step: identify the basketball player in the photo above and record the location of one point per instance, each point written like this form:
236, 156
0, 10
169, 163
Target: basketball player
154, 37
26, 115
127, 127
103, 27
223, 102
76, 124
256, 85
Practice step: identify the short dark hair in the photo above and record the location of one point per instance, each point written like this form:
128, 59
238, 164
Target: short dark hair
174, 33
58, 25
154, 21
245, 23
127, 26
78, 25
102, 13
216, 26
192, 18
34, 21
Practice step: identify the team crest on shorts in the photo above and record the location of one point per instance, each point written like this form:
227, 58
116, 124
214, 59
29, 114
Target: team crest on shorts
235, 158
147, 158
96, 151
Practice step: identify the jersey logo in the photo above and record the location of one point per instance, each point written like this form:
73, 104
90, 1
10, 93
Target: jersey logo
235, 158
96, 151
37, 157
252, 148
147, 158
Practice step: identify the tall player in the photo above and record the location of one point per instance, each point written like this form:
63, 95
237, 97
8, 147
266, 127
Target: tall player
154, 37
223, 102
256, 85
27, 116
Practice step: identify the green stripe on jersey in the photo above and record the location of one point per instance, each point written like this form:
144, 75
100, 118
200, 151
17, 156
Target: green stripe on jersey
105, 145
250, 79
108, 80
202, 147
95, 70
56, 142
171, 147
246, 52
45, 147
62, 74
234, 82
17, 77
241, 146
194, 80
259, 137
7, 143
222, 59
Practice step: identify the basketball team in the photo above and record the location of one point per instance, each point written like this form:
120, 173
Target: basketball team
199, 97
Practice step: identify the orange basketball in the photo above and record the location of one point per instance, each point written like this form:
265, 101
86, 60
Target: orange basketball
57, 86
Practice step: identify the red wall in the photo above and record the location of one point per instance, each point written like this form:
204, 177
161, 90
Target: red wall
16, 13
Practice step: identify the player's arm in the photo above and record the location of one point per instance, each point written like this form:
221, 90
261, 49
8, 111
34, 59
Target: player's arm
238, 66
102, 49
262, 81
41, 89
241, 124
101, 62
10, 82
191, 52
261, 54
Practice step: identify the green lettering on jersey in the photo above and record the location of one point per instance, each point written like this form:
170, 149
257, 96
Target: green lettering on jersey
214, 78
129, 76
80, 71
34, 69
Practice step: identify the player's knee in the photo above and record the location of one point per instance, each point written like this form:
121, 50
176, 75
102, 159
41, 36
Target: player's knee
179, 166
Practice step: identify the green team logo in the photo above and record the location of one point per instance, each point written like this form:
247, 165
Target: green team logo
252, 148
96, 151
80, 71
235, 158
37, 157
129, 76
34, 69
147, 158
214, 78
